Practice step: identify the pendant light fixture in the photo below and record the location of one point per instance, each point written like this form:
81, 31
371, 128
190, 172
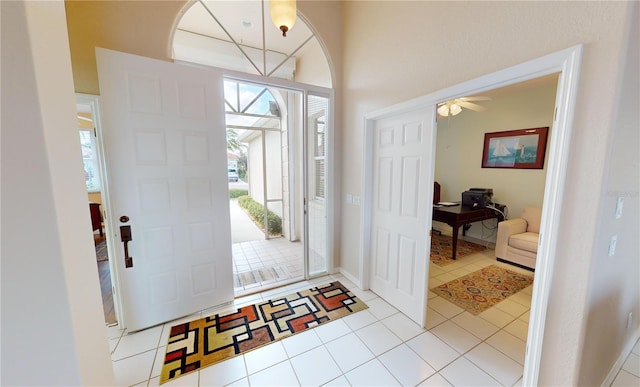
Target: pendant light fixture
283, 14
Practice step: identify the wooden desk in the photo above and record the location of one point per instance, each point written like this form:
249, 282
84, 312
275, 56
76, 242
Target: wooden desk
96, 217
456, 216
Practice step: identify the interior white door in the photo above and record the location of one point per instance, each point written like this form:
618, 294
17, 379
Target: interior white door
165, 151
401, 210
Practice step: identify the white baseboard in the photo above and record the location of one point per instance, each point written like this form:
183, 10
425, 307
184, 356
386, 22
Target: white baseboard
617, 366
350, 277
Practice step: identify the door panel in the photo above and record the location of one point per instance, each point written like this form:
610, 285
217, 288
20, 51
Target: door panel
400, 239
164, 136
316, 180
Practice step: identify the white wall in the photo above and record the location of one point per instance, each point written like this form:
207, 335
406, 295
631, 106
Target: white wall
459, 147
312, 67
326, 19
614, 289
53, 329
395, 50
273, 170
254, 168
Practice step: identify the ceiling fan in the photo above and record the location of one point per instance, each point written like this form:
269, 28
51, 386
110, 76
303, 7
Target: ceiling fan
453, 107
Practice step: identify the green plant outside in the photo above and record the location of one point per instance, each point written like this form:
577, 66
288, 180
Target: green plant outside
236, 193
256, 211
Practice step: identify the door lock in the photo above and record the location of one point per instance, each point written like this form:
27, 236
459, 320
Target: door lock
125, 236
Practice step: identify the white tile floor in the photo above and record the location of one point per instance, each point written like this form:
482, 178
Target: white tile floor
277, 255
629, 374
375, 347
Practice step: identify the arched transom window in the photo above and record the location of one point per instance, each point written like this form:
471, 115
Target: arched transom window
239, 35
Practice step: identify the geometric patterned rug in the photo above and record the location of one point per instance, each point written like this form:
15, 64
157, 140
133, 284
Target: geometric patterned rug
441, 249
212, 339
484, 288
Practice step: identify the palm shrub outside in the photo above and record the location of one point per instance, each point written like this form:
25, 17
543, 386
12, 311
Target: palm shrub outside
256, 211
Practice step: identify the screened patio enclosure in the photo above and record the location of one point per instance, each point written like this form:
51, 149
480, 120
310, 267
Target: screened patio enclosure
268, 133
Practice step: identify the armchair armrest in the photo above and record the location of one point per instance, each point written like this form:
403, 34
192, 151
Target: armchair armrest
505, 230
513, 226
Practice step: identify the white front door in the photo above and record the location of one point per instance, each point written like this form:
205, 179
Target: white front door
401, 210
166, 157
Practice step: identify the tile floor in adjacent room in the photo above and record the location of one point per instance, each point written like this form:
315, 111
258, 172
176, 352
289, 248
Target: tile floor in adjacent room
375, 347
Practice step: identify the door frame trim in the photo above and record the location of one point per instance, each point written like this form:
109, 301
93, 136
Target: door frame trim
93, 101
567, 62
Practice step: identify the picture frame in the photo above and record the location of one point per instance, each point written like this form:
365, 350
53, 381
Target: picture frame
517, 149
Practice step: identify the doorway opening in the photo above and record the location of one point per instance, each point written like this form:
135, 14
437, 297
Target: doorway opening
567, 64
204, 34
278, 222
277, 157
266, 243
285, 172
459, 147
87, 128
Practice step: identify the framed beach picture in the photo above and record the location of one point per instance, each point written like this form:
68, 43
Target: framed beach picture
522, 148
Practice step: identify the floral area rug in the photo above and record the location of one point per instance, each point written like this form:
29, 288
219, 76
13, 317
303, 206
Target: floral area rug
212, 339
480, 290
442, 247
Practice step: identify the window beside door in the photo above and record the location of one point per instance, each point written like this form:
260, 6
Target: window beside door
90, 160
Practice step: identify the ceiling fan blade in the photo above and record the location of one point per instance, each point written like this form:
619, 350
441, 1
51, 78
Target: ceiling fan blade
85, 118
472, 106
476, 98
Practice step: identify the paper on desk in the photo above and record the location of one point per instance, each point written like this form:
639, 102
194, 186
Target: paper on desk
448, 203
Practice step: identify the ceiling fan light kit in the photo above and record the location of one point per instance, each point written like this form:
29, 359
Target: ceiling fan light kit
449, 108
283, 14
454, 107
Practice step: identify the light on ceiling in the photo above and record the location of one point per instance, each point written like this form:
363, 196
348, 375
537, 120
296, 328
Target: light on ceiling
449, 108
283, 14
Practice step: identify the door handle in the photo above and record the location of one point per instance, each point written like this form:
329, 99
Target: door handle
125, 236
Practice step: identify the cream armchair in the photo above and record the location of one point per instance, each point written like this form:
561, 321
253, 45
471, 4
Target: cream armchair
517, 239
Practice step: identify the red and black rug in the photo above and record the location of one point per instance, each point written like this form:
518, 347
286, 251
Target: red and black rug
212, 339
